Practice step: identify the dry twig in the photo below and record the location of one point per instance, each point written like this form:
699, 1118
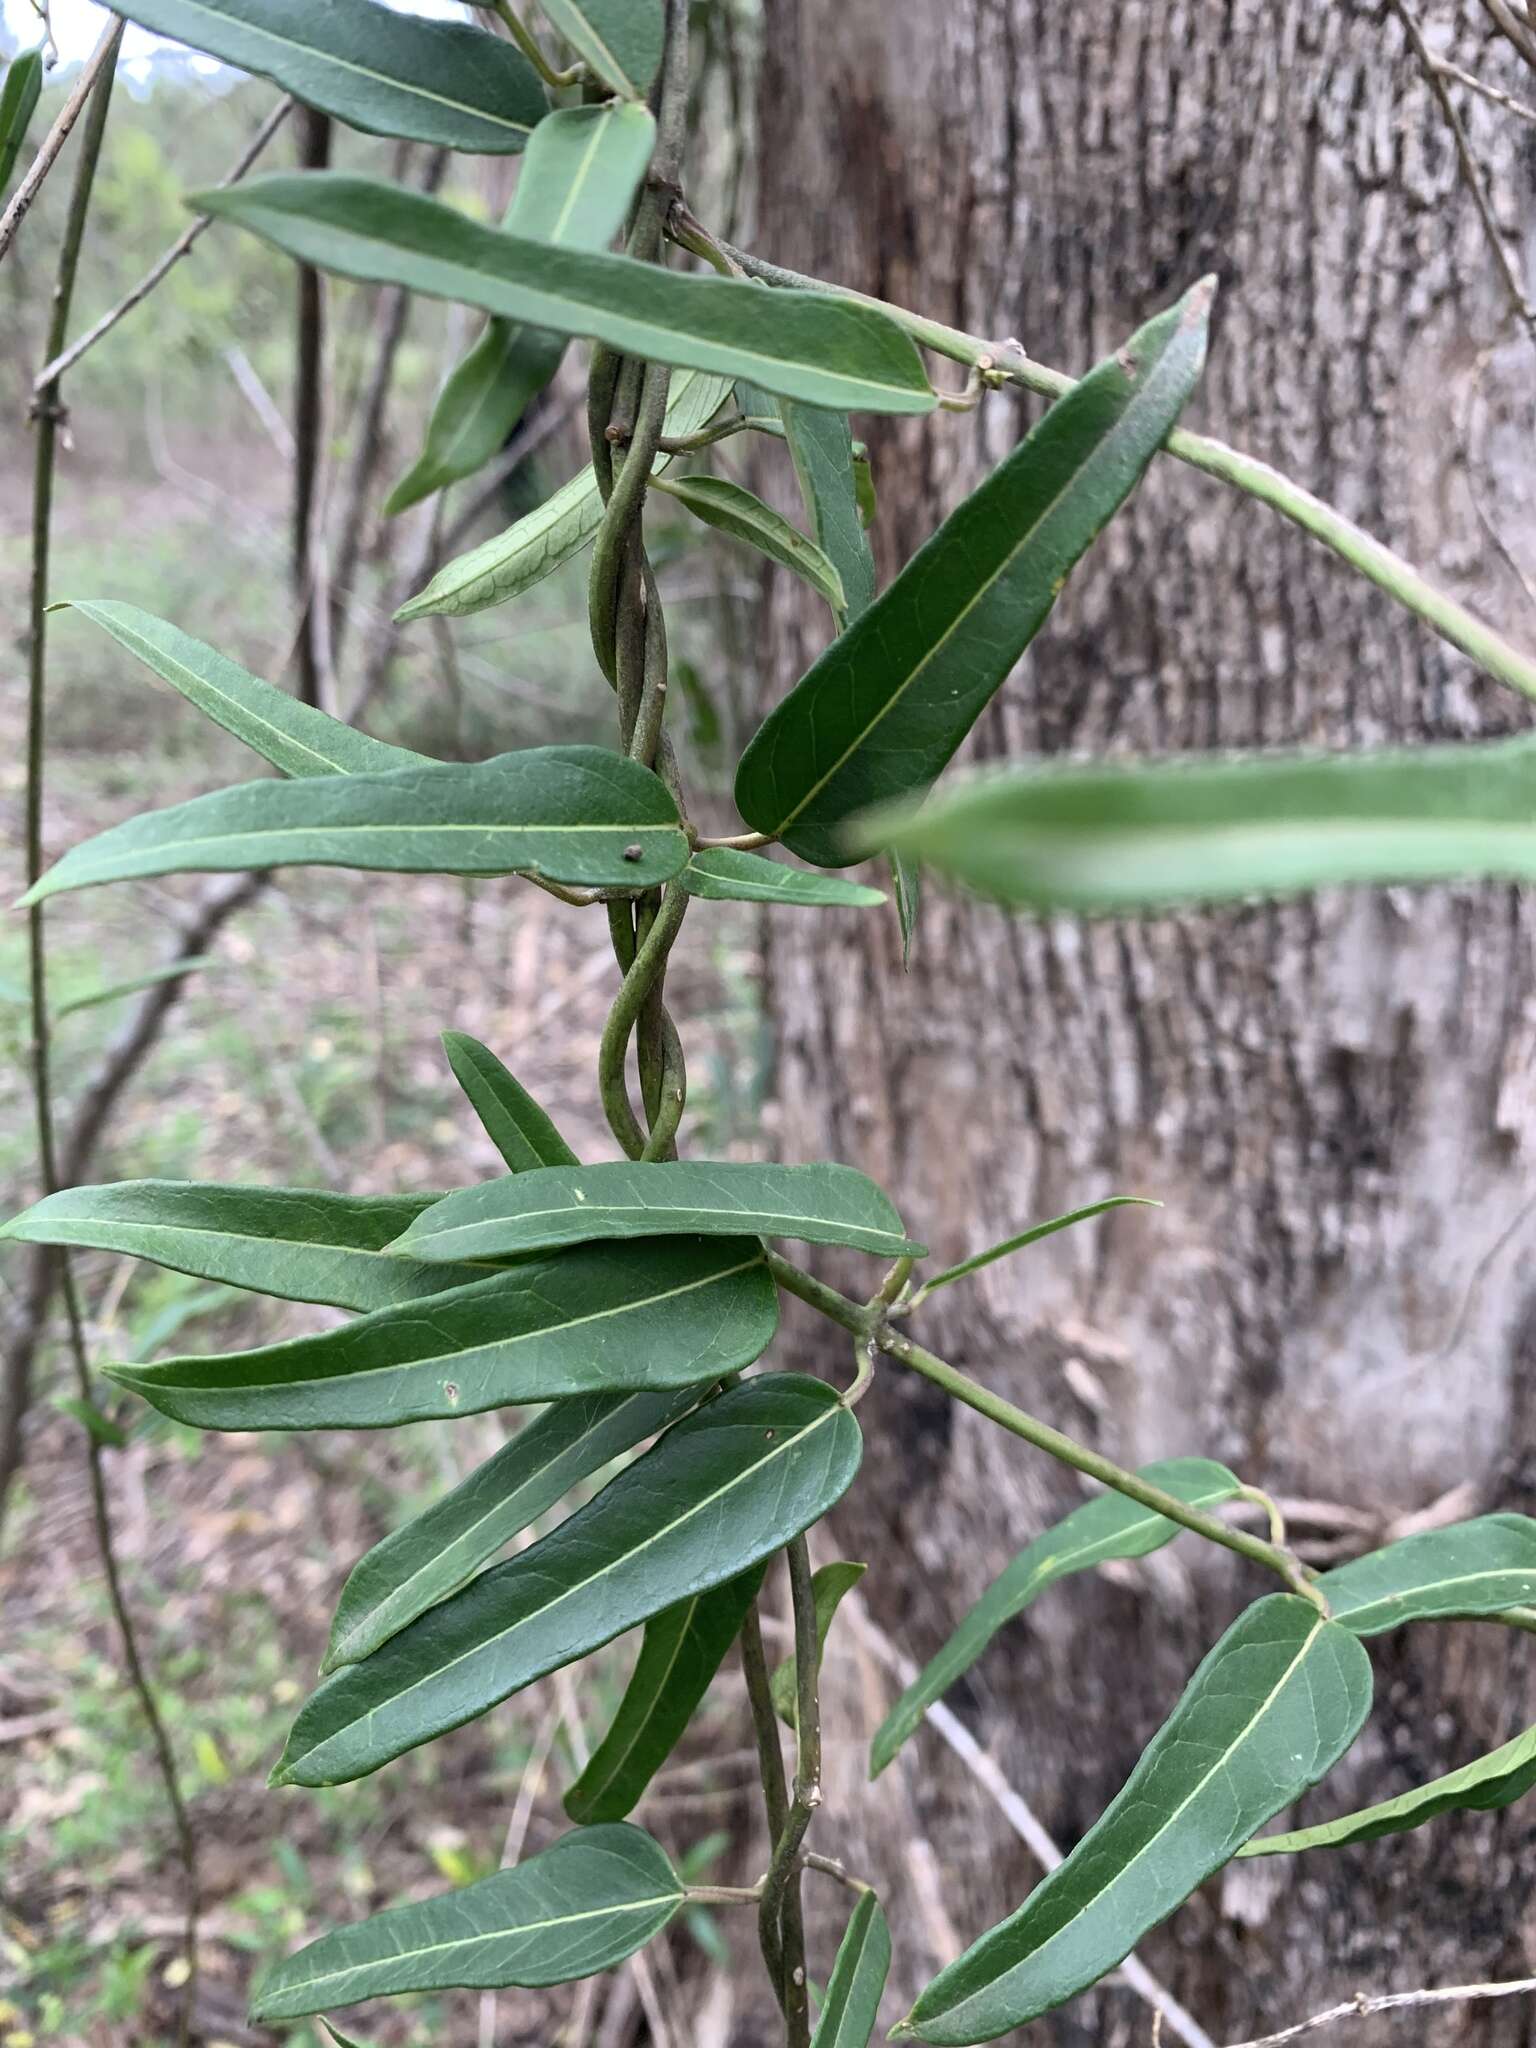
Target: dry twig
1363, 2007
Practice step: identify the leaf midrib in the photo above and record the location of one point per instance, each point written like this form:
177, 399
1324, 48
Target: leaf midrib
1032, 1959
402, 85
1115, 434
440, 1358
761, 1465
1388, 1601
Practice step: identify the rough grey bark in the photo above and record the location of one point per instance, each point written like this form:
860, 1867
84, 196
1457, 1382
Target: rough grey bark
1334, 1100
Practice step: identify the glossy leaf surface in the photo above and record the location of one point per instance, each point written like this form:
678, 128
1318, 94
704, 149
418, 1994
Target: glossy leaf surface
1470, 1568
620, 39
680, 1653
536, 545
852, 2004
830, 1585
378, 70
725, 874
822, 450
572, 814
18, 102
581, 1906
721, 1490
581, 170
301, 1244
528, 1212
812, 345
1273, 1706
519, 1129
885, 707
1489, 1782
435, 1553
1207, 829
1107, 1527
294, 737
592, 1319
743, 516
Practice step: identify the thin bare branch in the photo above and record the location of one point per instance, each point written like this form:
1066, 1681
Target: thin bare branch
169, 260
104, 56
1473, 83
1362, 2007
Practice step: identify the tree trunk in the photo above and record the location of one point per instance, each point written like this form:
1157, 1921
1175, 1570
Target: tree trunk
1334, 1100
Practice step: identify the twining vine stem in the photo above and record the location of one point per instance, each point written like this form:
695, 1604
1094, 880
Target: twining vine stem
49, 417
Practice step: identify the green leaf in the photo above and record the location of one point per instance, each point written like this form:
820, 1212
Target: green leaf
907, 878
383, 72
730, 509
864, 486
883, 710
535, 546
18, 103
1483, 1786
581, 1906
829, 1585
681, 1651
852, 2003
1274, 1705
98, 1425
1109, 1526
573, 814
172, 970
437, 1552
1033, 1236
294, 737
822, 451
301, 1244
622, 40
593, 1319
514, 1122
722, 1489
811, 345
581, 171
529, 1212
1470, 1568
342, 2040
1195, 829
724, 874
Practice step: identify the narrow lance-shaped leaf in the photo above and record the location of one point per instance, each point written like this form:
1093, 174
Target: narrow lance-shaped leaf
721, 1490
886, 706
852, 2003
18, 102
621, 39
581, 1906
378, 70
538, 544
592, 1319
1033, 1236
519, 1129
574, 814
1486, 1784
730, 509
724, 874
342, 2040
294, 737
1274, 1705
1199, 830
822, 450
578, 177
301, 1244
528, 1212
1108, 1527
435, 1553
1471, 1568
830, 1586
680, 1653
171, 970
812, 345
907, 876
